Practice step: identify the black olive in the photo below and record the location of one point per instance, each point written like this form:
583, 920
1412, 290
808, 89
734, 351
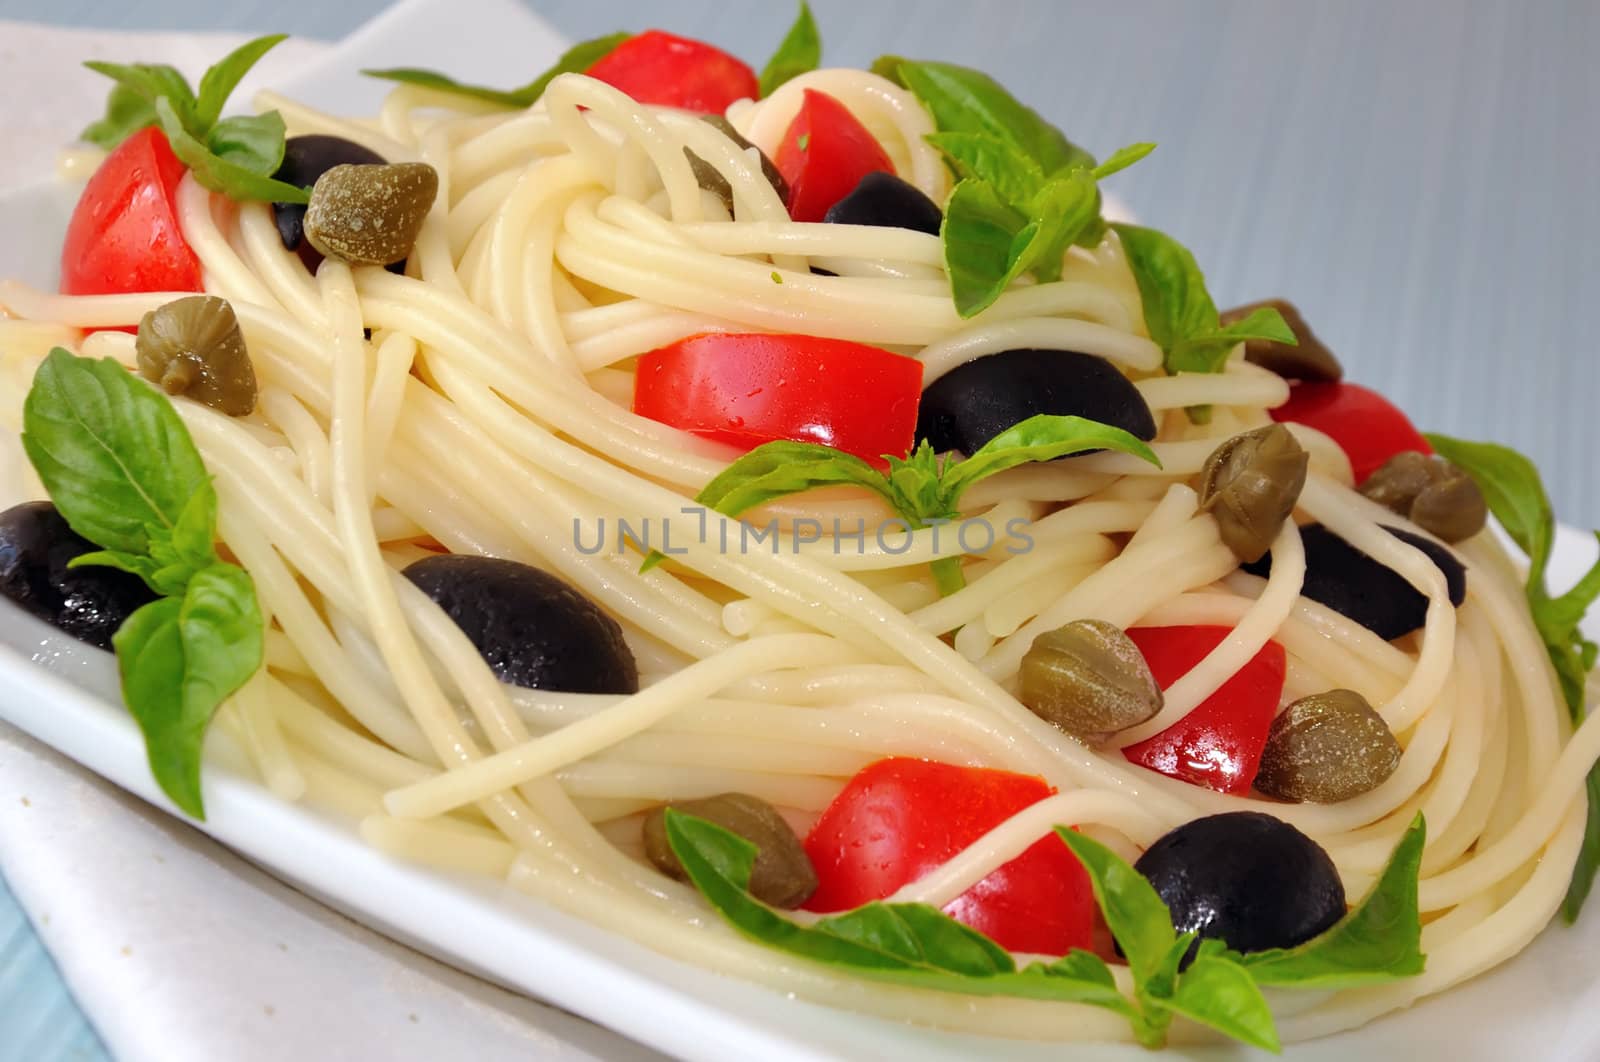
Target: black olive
1353, 584
885, 200
972, 403
533, 628
1247, 879
89, 603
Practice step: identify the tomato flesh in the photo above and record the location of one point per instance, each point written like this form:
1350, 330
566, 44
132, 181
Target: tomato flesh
900, 818
1218, 745
670, 71
1367, 426
824, 155
124, 234
746, 389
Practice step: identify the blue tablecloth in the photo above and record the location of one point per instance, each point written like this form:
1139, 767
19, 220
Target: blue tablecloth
1418, 176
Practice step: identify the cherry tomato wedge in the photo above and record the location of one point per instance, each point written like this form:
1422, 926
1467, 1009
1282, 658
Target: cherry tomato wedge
1367, 426
824, 155
900, 818
124, 234
668, 71
750, 388
1218, 745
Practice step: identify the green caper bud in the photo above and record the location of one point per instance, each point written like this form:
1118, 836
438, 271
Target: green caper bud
715, 183
1250, 484
1309, 359
192, 346
782, 875
1088, 679
1436, 495
1326, 748
368, 214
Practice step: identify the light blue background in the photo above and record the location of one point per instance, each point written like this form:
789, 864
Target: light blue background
1422, 178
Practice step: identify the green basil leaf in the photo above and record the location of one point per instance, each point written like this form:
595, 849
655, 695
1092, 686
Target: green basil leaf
915, 489
252, 142
962, 100
778, 469
1121, 159
1137, 918
180, 657
218, 174
1177, 306
149, 82
798, 53
113, 454
914, 933
986, 245
888, 67
1039, 438
1378, 941
1014, 176
127, 112
1583, 872
1218, 992
156, 575
1063, 209
575, 60
218, 82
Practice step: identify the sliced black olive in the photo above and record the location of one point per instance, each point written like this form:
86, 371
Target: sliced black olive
972, 403
714, 182
1247, 879
533, 628
885, 200
88, 603
305, 158
1353, 584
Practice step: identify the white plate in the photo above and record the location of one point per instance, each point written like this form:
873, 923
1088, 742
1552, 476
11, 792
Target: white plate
66, 697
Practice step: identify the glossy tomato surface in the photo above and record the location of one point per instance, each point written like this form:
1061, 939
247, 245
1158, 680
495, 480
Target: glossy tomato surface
750, 388
900, 818
124, 234
670, 71
824, 155
1367, 426
1218, 745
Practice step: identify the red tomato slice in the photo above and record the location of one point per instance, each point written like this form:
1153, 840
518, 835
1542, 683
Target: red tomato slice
1367, 426
1218, 745
824, 155
900, 818
124, 234
749, 388
667, 71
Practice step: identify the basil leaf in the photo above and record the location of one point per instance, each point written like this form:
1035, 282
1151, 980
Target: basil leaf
1218, 992
962, 100
575, 60
777, 469
1137, 918
127, 112
114, 456
179, 659
986, 243
1208, 351
888, 67
1013, 175
1378, 941
252, 142
1064, 208
1121, 159
1040, 438
1583, 872
798, 53
149, 82
915, 489
218, 174
219, 81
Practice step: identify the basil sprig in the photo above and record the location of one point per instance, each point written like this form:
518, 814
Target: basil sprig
235, 156
122, 470
1516, 495
1026, 192
575, 60
799, 52
920, 946
924, 489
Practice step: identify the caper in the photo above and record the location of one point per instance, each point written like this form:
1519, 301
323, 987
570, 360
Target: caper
782, 875
1250, 484
192, 346
1088, 679
1437, 496
1326, 748
714, 182
368, 214
1309, 359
